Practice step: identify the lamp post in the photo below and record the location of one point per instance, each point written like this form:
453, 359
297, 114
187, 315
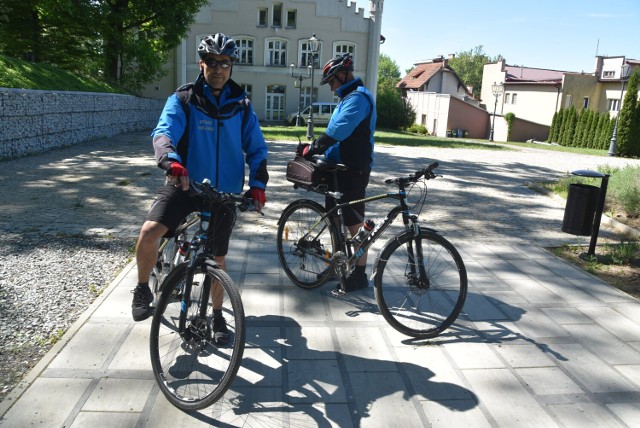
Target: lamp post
299, 78
313, 48
624, 74
496, 90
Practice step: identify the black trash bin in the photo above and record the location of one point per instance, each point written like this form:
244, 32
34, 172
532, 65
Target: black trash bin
581, 209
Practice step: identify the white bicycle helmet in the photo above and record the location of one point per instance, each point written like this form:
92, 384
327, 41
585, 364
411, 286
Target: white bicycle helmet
218, 44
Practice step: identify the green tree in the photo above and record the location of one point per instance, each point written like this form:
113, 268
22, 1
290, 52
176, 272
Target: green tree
509, 117
469, 66
628, 143
577, 136
125, 41
393, 110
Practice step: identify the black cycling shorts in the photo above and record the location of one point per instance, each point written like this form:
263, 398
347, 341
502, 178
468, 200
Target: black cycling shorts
172, 205
352, 184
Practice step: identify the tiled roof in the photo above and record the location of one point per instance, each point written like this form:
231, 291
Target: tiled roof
420, 75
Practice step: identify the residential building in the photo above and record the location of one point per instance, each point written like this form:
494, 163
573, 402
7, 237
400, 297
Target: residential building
272, 36
535, 94
442, 102
532, 94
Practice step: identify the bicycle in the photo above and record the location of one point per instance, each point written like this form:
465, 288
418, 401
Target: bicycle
419, 277
190, 369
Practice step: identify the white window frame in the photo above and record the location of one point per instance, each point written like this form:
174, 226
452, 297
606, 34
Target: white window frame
514, 98
568, 101
248, 88
275, 56
507, 97
608, 74
342, 47
614, 104
245, 51
304, 53
277, 112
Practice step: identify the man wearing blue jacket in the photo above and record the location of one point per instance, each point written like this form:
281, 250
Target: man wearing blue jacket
207, 129
348, 140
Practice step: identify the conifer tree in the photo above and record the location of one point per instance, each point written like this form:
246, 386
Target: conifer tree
628, 144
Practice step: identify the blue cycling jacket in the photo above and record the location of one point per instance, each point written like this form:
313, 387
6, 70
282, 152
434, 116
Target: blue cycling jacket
212, 137
351, 127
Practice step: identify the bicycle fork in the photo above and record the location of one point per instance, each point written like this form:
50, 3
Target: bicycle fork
418, 278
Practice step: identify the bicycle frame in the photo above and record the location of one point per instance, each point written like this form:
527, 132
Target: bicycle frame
409, 221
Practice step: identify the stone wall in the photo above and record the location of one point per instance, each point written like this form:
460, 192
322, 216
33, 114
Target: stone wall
36, 121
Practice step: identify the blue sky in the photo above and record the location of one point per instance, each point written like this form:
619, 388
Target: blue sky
553, 34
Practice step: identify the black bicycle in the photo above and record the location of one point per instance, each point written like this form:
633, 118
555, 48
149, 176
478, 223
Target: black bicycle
419, 277
191, 369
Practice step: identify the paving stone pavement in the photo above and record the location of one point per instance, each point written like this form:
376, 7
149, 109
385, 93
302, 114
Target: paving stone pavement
540, 343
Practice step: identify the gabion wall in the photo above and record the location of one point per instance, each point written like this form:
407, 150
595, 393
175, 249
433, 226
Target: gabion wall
36, 121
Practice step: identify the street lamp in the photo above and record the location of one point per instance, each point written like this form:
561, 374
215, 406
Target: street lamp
299, 78
624, 74
496, 90
313, 48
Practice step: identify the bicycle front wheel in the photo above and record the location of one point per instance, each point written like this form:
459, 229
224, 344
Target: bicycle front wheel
191, 370
305, 251
420, 283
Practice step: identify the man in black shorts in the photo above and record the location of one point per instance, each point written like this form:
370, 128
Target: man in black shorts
207, 129
348, 139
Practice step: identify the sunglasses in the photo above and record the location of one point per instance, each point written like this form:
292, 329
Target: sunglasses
224, 64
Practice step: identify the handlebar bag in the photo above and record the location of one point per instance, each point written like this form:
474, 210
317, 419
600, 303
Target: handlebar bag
305, 173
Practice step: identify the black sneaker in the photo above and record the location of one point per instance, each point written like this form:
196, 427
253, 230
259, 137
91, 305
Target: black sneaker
220, 331
142, 298
355, 281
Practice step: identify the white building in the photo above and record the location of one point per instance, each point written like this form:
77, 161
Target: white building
271, 37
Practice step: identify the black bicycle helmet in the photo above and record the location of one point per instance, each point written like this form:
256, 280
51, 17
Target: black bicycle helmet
218, 44
335, 66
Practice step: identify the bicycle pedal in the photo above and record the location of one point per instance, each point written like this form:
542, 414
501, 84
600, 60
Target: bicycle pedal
338, 292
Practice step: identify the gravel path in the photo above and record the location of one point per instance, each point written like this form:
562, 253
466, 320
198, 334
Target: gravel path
46, 283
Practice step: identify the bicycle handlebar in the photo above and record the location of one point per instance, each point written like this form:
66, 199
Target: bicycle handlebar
427, 173
210, 194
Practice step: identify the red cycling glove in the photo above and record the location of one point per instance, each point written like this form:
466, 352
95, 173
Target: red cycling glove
176, 169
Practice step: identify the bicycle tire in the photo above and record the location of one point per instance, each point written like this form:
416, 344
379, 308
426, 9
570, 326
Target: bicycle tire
416, 309
304, 260
191, 370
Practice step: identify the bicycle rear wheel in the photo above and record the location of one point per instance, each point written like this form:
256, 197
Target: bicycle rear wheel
191, 370
305, 254
420, 306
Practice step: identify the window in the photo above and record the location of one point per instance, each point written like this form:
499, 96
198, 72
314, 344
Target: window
262, 16
276, 19
506, 97
568, 101
609, 74
613, 104
305, 55
245, 50
291, 18
513, 98
585, 103
341, 48
306, 95
247, 88
276, 53
275, 102
326, 109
